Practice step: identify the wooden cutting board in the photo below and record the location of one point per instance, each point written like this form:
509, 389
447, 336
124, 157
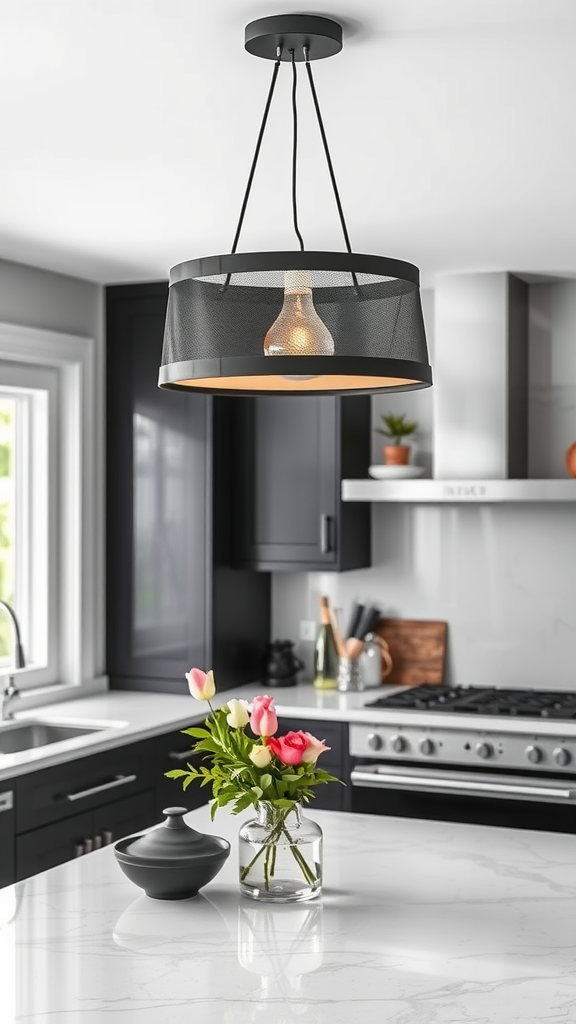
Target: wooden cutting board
417, 648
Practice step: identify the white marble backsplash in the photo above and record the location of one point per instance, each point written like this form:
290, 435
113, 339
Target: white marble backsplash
503, 577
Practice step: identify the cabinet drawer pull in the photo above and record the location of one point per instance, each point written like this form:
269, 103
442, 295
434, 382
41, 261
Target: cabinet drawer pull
180, 755
325, 524
6, 800
120, 780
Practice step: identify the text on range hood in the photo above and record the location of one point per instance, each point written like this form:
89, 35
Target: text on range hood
480, 401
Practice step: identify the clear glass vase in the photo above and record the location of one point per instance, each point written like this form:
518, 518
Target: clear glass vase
280, 855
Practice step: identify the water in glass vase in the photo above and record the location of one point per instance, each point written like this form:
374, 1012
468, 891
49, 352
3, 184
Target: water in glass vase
280, 855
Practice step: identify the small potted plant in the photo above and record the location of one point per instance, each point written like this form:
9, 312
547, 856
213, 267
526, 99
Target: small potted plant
396, 427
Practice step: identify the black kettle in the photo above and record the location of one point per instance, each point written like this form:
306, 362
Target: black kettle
281, 664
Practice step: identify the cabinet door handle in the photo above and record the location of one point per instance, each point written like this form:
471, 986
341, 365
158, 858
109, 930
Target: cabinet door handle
325, 524
6, 800
180, 755
120, 780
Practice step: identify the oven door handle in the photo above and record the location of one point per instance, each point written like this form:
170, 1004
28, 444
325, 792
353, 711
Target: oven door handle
381, 778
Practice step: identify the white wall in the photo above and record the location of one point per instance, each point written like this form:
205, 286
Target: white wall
504, 577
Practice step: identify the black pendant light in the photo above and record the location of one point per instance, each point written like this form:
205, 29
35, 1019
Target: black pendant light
295, 322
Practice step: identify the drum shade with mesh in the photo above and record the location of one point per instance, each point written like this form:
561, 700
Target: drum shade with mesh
220, 309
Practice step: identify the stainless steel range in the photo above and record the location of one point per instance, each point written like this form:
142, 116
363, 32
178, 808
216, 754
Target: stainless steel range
475, 754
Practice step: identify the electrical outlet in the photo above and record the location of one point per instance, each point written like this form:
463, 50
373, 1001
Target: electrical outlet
308, 629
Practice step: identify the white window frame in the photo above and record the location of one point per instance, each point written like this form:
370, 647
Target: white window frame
79, 511
37, 466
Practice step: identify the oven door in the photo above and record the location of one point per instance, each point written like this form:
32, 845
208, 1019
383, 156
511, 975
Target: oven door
485, 798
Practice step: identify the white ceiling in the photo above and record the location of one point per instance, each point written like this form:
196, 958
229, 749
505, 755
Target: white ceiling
127, 128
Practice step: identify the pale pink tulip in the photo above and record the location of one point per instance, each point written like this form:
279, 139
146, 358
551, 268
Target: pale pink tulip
201, 684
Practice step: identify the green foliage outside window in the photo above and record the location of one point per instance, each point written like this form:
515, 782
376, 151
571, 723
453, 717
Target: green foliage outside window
7, 511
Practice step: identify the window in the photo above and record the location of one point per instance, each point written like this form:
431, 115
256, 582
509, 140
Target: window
28, 539
51, 509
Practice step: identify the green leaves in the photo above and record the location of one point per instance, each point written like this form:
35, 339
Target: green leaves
397, 427
233, 776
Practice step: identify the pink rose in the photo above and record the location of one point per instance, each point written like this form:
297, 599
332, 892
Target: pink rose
263, 721
314, 749
290, 748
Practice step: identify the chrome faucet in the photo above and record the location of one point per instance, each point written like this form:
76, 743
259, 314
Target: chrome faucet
11, 692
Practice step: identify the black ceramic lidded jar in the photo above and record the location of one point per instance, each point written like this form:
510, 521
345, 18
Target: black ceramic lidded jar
174, 861
281, 664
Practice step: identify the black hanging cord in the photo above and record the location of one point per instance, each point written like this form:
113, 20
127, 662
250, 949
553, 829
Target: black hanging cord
294, 153
257, 151
329, 161
254, 161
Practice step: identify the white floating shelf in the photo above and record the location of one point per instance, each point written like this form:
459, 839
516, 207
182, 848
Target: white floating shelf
459, 491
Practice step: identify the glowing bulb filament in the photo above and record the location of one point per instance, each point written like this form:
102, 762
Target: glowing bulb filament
298, 330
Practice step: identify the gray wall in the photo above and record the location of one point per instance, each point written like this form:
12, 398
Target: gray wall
503, 577
33, 297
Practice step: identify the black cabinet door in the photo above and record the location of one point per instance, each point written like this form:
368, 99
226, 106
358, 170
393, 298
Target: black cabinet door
7, 838
124, 817
156, 500
292, 455
44, 848
78, 785
173, 751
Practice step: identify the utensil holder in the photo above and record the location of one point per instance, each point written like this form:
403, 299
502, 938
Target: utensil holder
349, 675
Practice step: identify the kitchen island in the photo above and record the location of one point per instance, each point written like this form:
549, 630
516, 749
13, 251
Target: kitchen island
419, 923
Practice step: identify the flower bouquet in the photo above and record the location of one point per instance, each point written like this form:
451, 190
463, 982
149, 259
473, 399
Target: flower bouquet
280, 851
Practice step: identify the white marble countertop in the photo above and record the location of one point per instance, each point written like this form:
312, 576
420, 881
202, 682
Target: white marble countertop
135, 716
419, 923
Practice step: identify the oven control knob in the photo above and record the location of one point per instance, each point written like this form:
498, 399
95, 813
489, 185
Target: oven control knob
561, 756
483, 750
398, 744
534, 754
426, 746
374, 741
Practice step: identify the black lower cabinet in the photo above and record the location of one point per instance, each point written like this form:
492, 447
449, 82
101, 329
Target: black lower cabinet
76, 807
332, 796
7, 833
44, 848
173, 751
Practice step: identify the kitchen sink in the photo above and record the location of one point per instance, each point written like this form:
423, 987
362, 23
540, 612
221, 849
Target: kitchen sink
17, 736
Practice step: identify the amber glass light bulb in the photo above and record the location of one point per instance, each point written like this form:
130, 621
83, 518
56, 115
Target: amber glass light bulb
298, 330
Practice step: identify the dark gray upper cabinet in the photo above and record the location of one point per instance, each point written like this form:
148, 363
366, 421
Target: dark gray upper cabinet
292, 454
173, 599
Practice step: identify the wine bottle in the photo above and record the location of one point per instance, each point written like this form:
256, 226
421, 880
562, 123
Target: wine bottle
326, 652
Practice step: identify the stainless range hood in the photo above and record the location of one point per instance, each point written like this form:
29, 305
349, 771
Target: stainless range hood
480, 401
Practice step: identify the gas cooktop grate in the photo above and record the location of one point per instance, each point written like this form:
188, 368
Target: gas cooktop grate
482, 700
